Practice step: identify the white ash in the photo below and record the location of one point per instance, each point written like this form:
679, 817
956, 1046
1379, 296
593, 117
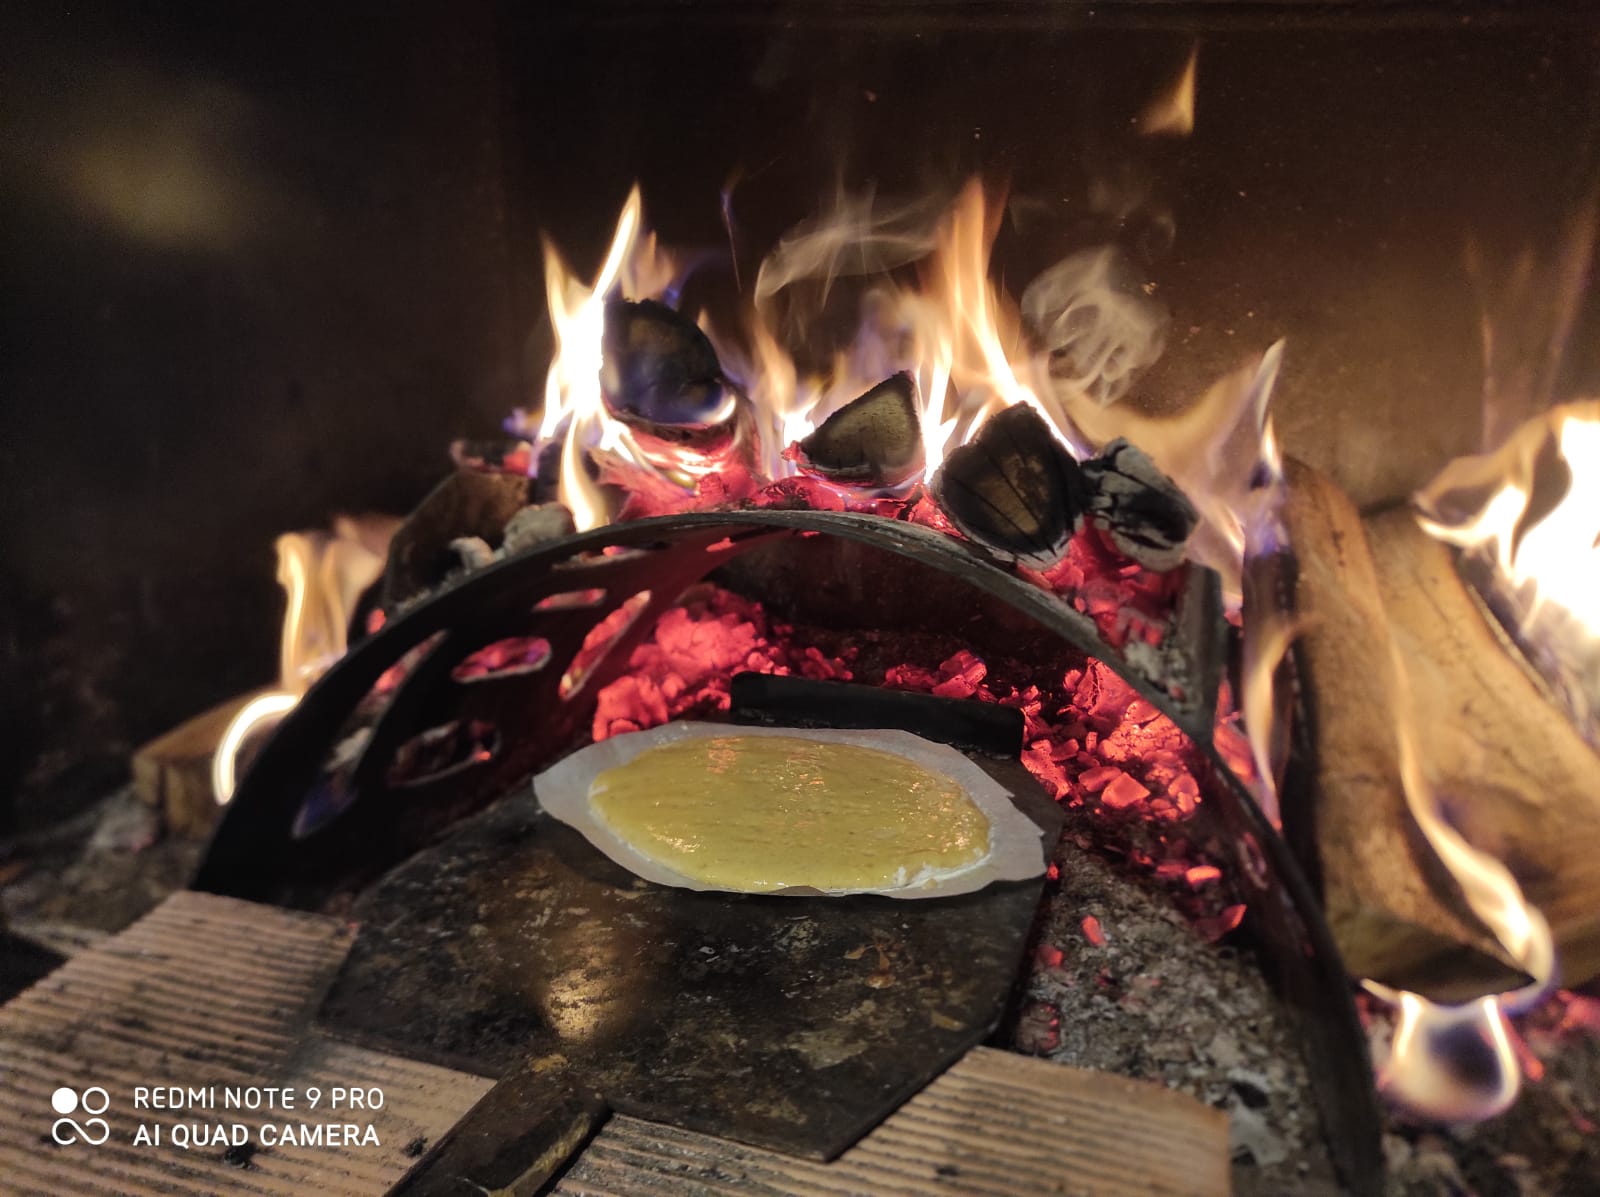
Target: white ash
529, 528
534, 525
472, 552
1158, 1003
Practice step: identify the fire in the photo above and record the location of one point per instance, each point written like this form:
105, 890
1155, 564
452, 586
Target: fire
323, 576
928, 307
574, 408
1527, 519
957, 333
1545, 549
1172, 111
1432, 1040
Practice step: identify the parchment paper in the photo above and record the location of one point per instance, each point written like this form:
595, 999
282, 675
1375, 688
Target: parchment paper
1015, 848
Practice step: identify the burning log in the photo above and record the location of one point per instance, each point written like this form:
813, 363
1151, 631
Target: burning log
172, 773
469, 503
1515, 777
1147, 517
1014, 489
659, 371
874, 440
1515, 772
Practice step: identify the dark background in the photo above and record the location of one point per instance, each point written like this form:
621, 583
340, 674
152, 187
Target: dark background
263, 263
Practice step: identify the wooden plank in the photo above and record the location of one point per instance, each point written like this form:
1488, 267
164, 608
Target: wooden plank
204, 991
995, 1125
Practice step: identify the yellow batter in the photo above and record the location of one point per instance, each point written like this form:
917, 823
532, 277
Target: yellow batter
758, 813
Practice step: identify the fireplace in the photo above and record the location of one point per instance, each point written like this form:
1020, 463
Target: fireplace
872, 383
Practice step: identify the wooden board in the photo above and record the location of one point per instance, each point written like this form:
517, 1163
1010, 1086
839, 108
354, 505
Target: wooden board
995, 1124
212, 991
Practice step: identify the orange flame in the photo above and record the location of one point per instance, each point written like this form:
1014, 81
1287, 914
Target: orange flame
954, 330
1171, 113
636, 267
323, 576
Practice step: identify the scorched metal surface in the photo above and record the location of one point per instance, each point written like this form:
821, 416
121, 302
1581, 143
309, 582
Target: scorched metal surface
518, 950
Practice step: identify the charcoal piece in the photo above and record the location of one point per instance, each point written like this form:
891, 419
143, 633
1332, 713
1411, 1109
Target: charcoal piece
659, 370
1147, 517
874, 440
787, 701
1013, 488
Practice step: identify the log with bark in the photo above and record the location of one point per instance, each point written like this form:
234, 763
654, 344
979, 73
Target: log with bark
1511, 773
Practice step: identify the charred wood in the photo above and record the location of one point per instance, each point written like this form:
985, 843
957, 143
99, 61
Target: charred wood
1013, 489
659, 370
1147, 517
874, 440
468, 503
534, 525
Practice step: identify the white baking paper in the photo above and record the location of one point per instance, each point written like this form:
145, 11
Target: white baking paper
1016, 849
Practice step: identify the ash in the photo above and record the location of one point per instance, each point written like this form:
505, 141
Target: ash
1153, 1000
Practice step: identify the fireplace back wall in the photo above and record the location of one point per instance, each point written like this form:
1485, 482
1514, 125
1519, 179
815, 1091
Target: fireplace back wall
265, 265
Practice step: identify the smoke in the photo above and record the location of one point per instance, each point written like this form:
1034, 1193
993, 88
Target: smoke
856, 238
1098, 325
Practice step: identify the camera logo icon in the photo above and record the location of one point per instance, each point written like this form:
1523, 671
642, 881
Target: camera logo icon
66, 1102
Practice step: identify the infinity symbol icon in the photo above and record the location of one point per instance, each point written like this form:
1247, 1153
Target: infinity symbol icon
66, 1101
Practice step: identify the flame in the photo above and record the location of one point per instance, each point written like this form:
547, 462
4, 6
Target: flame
1423, 1069
950, 326
636, 268
982, 332
1172, 111
1549, 559
323, 576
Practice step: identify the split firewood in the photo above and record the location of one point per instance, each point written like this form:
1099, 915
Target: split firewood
1013, 488
1503, 762
173, 772
1390, 904
1147, 517
875, 440
1513, 771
